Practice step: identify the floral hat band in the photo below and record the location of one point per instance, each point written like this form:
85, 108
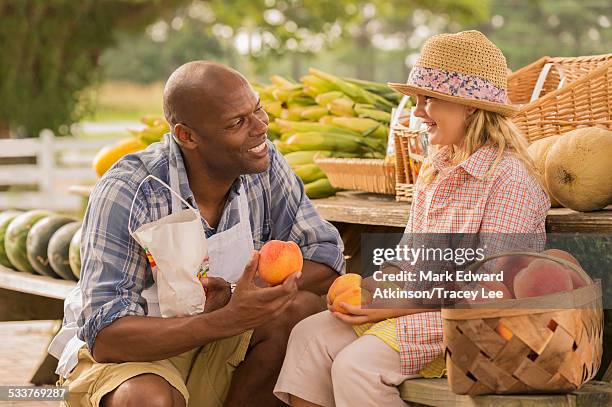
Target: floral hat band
464, 68
456, 84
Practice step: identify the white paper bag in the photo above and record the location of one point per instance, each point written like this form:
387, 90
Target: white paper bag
177, 245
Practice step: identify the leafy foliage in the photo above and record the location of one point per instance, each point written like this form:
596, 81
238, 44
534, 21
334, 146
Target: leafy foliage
50, 53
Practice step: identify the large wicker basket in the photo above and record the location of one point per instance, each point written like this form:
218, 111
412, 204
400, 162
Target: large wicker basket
362, 174
521, 83
555, 343
584, 100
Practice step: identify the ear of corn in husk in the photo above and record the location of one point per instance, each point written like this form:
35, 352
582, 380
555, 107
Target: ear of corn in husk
314, 113
308, 172
323, 99
341, 107
320, 188
365, 126
155, 130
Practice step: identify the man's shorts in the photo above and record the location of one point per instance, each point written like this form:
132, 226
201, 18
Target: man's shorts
202, 375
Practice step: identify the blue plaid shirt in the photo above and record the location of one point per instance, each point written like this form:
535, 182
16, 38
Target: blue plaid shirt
115, 269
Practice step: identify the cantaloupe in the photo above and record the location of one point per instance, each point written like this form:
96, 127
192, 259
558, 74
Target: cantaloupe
538, 150
578, 168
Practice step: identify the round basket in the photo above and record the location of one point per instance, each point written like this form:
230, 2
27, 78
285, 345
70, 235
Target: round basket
547, 344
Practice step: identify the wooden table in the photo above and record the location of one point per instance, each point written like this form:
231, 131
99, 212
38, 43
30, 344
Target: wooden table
383, 210
373, 209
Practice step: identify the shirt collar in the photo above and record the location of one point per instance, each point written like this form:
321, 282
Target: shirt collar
176, 156
479, 163
476, 165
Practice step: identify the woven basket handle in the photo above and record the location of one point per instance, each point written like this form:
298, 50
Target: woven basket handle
542, 78
476, 265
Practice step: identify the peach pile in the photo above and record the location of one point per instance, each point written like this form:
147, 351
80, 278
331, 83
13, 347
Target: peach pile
278, 259
541, 277
347, 289
526, 276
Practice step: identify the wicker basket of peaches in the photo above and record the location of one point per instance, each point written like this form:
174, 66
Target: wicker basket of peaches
544, 335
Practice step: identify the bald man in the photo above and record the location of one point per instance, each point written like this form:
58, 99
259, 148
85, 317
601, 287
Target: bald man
113, 349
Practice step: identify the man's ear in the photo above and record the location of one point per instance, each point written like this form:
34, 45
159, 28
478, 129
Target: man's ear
184, 136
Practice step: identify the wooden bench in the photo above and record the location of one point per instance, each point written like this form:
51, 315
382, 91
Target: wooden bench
29, 297
435, 392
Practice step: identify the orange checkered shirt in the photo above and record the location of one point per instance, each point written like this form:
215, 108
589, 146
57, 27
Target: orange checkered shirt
463, 200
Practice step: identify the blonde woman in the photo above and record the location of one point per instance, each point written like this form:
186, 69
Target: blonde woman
478, 179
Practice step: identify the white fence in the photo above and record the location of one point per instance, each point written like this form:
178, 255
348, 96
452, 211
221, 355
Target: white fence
61, 162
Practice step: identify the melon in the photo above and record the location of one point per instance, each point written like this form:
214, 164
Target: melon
538, 151
38, 241
59, 246
16, 237
6, 218
74, 254
578, 168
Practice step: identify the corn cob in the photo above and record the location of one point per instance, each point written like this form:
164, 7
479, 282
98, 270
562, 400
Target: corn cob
355, 92
378, 115
309, 172
308, 157
274, 127
150, 135
325, 141
378, 88
305, 157
367, 127
324, 99
282, 147
293, 112
314, 113
320, 188
341, 107
302, 127
312, 80
313, 91
286, 93
273, 108
264, 92
327, 120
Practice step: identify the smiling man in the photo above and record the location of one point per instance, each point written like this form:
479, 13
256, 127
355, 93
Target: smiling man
114, 348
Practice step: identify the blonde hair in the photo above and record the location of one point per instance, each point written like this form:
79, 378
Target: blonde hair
485, 128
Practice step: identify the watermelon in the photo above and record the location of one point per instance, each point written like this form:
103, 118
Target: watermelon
74, 254
57, 252
6, 218
38, 241
16, 236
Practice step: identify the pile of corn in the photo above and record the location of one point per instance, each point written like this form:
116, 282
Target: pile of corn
328, 116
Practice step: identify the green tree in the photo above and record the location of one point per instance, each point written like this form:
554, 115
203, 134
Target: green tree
529, 29
50, 51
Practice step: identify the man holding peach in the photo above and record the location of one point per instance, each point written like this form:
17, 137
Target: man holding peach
218, 163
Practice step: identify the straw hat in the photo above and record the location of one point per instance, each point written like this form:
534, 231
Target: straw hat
464, 68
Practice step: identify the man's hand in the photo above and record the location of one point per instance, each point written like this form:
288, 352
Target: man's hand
218, 293
251, 306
